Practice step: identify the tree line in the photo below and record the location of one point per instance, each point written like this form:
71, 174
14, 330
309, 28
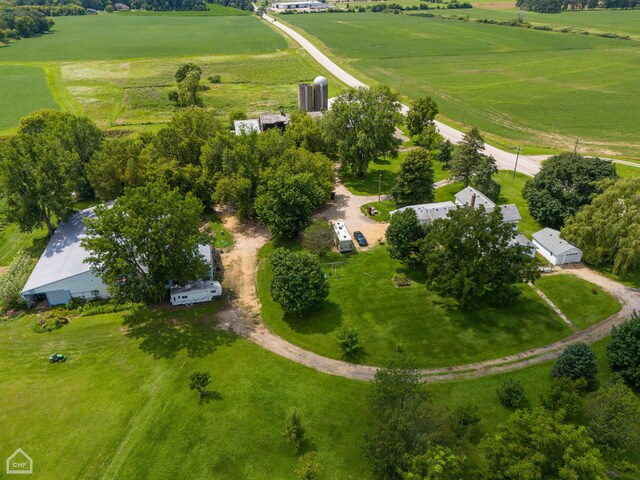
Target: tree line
579, 429
18, 23
70, 7
555, 6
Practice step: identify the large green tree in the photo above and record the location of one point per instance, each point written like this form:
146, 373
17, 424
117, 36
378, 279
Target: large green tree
299, 284
117, 166
623, 352
471, 166
537, 445
403, 234
146, 239
470, 256
361, 125
608, 230
38, 180
422, 115
564, 183
414, 182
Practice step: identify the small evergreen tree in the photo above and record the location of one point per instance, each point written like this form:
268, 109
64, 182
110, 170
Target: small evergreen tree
577, 361
293, 431
623, 352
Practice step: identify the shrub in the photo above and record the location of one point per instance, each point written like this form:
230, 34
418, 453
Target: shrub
318, 237
349, 341
308, 467
215, 79
200, 381
623, 352
293, 430
49, 322
577, 361
511, 393
566, 394
101, 308
11, 283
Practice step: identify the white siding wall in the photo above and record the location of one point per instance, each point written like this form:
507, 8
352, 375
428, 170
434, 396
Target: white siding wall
80, 286
571, 256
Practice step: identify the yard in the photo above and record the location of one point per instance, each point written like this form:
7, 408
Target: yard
409, 323
582, 302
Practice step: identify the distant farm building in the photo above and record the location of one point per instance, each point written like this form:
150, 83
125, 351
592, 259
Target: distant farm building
121, 7
300, 6
62, 274
244, 127
558, 251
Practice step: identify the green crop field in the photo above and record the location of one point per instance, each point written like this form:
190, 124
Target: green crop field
119, 69
22, 90
410, 323
532, 87
112, 37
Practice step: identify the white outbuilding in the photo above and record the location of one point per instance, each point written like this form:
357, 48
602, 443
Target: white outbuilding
558, 251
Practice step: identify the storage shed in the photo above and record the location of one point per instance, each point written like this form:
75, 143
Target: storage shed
558, 251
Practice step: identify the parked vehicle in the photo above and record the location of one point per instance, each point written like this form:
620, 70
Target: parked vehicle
56, 357
342, 237
196, 292
360, 238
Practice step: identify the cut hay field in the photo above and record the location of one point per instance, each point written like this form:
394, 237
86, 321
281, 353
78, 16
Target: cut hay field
531, 87
118, 69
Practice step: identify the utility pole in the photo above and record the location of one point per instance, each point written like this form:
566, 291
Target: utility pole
516, 165
575, 147
379, 186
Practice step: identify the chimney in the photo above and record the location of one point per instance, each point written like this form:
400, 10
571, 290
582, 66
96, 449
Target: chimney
473, 200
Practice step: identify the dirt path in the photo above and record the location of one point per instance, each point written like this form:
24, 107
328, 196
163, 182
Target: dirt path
242, 312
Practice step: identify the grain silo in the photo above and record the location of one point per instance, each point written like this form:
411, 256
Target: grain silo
305, 97
320, 94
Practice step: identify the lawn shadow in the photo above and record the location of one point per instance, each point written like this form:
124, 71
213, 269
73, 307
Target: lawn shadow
358, 357
164, 333
210, 396
327, 319
307, 445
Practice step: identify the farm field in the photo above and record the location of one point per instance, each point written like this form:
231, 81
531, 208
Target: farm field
532, 87
118, 69
409, 323
23, 89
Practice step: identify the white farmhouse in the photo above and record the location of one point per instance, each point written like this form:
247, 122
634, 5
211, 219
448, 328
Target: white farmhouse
558, 251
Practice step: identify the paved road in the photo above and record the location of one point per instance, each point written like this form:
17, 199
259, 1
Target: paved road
505, 160
527, 164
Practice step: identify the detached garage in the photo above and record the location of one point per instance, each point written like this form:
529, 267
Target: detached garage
558, 251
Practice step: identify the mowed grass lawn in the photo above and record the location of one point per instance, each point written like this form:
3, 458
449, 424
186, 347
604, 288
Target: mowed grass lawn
121, 407
409, 323
23, 89
382, 172
12, 240
534, 87
110, 37
582, 302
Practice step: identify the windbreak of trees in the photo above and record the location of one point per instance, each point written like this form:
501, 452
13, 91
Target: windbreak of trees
241, 4
555, 6
77, 7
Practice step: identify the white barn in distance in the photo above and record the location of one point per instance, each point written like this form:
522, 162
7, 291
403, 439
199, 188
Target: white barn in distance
558, 251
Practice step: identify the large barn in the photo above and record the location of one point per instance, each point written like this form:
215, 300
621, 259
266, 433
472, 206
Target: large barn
62, 274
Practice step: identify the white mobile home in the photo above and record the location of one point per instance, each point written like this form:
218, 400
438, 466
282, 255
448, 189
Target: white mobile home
197, 292
342, 237
558, 251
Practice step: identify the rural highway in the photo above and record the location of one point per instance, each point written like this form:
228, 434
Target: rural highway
504, 160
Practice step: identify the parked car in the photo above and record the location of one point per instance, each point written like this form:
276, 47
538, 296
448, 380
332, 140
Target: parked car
362, 241
56, 357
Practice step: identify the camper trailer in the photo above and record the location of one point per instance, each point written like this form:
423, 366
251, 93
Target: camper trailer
343, 239
196, 292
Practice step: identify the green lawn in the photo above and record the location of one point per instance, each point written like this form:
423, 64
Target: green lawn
121, 407
23, 89
582, 302
409, 322
627, 170
12, 240
111, 37
533, 87
384, 171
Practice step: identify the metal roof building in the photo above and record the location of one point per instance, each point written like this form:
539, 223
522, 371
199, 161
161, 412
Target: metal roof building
429, 212
474, 198
61, 272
